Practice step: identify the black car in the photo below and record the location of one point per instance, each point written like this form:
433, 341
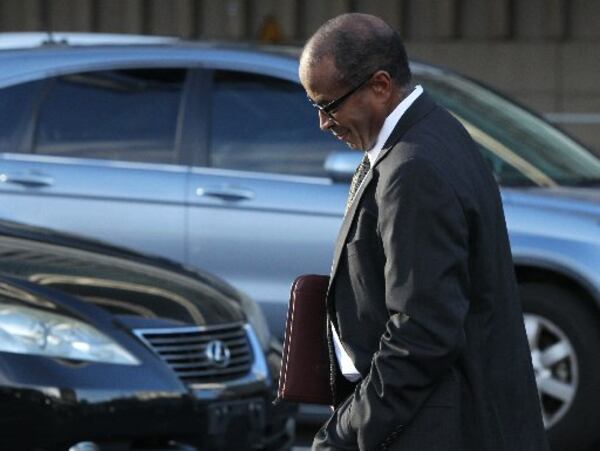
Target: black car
103, 348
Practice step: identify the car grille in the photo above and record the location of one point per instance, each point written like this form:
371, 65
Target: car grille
191, 351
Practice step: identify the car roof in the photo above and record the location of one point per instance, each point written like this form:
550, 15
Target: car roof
17, 40
20, 65
26, 64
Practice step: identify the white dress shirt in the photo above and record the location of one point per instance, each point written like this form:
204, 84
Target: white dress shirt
390, 122
344, 361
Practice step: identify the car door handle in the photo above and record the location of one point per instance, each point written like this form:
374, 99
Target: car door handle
27, 179
228, 193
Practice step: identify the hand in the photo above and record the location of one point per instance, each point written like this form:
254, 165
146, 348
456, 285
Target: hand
337, 433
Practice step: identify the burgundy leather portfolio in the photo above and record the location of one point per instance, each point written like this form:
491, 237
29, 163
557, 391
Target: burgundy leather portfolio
304, 373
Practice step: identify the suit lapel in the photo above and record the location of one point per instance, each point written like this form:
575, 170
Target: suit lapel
417, 111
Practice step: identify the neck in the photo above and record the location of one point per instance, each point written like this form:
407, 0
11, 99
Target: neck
398, 96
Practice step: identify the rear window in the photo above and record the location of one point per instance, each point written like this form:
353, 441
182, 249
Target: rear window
127, 115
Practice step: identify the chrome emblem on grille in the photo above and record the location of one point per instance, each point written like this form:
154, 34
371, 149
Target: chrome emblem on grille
218, 353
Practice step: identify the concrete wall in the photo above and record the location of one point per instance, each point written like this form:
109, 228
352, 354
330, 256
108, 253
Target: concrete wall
545, 53
559, 80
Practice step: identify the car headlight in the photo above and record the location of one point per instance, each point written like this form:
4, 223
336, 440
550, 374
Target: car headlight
25, 330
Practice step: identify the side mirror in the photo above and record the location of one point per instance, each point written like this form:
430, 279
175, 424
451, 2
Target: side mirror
340, 166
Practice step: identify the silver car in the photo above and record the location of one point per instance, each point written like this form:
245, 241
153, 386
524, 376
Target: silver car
210, 155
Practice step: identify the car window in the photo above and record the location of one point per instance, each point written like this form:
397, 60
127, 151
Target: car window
16, 104
126, 115
266, 124
522, 149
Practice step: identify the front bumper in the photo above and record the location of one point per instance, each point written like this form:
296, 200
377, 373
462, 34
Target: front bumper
52, 404
50, 418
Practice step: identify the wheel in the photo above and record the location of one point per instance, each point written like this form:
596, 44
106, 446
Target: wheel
564, 338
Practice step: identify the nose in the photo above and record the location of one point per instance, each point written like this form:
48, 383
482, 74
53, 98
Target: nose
325, 122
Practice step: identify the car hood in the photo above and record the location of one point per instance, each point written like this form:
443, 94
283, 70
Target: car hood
568, 199
139, 291
564, 212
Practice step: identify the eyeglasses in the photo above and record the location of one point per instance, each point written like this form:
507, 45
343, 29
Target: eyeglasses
329, 108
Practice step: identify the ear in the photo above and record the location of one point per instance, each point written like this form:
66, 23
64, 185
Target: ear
382, 83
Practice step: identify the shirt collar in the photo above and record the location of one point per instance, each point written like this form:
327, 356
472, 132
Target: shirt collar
391, 121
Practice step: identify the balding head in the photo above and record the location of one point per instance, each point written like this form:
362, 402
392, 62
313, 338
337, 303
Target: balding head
358, 45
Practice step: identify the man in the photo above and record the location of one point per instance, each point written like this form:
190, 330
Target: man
425, 329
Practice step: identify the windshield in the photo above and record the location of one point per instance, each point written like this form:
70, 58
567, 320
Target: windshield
522, 149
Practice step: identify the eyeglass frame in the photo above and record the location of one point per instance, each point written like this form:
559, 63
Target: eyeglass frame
329, 108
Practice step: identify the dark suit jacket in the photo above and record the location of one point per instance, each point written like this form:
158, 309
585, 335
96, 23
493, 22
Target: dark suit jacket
424, 298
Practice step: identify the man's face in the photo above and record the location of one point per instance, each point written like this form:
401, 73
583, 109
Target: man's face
358, 119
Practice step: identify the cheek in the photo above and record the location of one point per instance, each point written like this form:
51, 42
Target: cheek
355, 119
359, 124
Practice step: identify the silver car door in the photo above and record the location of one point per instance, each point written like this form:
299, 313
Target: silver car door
100, 159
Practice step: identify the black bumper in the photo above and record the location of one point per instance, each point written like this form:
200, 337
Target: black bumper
55, 419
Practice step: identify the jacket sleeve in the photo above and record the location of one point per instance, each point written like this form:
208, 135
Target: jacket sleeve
424, 234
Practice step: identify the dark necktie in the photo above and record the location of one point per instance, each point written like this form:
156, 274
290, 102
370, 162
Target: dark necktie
357, 179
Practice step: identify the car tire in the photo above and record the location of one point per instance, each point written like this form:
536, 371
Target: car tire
564, 338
